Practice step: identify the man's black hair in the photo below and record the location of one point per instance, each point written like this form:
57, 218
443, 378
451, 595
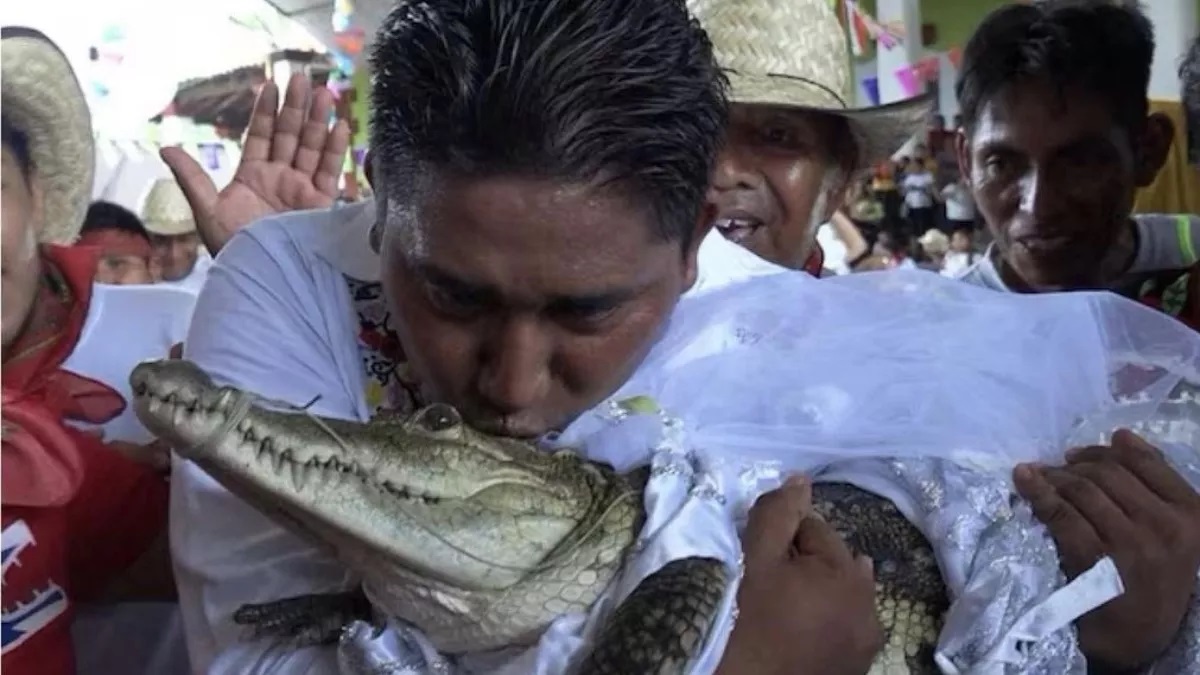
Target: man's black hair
624, 93
103, 215
1103, 47
17, 143
1189, 73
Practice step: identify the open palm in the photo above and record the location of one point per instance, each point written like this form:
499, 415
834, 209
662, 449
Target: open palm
291, 161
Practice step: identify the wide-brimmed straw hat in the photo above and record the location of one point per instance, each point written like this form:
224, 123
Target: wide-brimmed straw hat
166, 211
43, 100
793, 54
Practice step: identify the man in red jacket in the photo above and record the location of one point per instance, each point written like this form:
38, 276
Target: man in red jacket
77, 514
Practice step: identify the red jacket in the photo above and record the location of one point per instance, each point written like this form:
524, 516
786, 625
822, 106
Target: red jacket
75, 513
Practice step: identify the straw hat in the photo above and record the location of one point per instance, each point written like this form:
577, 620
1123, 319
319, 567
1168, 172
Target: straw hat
934, 242
793, 54
166, 211
43, 100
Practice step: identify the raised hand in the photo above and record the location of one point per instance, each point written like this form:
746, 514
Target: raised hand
291, 161
1124, 501
806, 604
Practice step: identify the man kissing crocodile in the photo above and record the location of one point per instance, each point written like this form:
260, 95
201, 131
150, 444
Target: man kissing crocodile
540, 171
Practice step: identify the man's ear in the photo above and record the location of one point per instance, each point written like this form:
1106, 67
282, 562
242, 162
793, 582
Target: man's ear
962, 151
691, 255
375, 236
1152, 148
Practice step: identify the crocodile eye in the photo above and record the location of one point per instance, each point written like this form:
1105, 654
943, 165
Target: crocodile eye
439, 418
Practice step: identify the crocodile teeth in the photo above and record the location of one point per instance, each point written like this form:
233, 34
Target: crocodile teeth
299, 474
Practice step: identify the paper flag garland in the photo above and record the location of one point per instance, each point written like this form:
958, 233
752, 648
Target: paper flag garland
955, 56
870, 87
909, 84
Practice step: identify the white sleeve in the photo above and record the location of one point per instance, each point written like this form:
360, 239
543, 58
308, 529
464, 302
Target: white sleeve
253, 328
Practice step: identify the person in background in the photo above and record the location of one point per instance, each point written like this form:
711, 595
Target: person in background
919, 190
125, 253
893, 251
960, 205
794, 145
181, 260
886, 190
1189, 76
84, 513
936, 133
1056, 141
935, 245
962, 254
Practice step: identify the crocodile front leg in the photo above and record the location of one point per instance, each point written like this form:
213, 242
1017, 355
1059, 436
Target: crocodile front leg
664, 624
306, 620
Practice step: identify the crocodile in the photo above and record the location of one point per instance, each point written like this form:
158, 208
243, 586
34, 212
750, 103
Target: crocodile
481, 542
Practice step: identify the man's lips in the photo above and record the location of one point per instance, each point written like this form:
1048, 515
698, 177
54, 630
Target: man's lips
1047, 245
738, 227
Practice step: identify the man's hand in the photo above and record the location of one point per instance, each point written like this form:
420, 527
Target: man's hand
806, 604
1126, 502
290, 162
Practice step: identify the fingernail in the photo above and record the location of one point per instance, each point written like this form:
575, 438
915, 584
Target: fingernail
867, 563
1024, 471
1073, 453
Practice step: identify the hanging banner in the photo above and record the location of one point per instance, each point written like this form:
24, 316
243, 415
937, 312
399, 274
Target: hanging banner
954, 56
929, 68
870, 87
909, 81
859, 30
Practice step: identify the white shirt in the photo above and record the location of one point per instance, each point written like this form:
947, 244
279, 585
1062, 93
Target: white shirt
1165, 242
195, 279
918, 190
275, 318
960, 204
833, 248
126, 325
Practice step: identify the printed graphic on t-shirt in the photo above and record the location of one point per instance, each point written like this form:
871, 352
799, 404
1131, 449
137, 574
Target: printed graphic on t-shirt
26, 612
390, 389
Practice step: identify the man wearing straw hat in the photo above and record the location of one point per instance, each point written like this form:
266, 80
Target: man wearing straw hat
172, 227
794, 142
79, 513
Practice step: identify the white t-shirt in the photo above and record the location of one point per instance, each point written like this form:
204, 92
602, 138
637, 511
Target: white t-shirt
918, 190
126, 325
194, 281
956, 263
1165, 242
960, 205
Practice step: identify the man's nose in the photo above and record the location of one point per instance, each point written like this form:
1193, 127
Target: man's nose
1041, 196
515, 374
735, 169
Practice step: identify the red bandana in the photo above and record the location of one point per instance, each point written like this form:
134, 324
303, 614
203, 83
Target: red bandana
41, 464
816, 261
117, 243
